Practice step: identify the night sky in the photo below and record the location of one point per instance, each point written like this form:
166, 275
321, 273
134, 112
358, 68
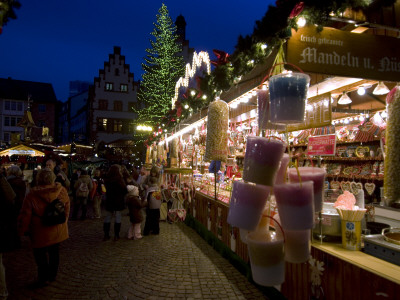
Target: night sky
59, 41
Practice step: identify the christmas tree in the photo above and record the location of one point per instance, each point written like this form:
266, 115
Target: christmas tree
163, 66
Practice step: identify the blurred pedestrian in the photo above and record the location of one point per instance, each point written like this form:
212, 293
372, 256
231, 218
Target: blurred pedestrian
8, 228
98, 194
55, 165
82, 187
16, 179
135, 205
45, 240
153, 197
115, 201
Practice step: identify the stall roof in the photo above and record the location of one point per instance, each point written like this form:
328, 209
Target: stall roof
21, 150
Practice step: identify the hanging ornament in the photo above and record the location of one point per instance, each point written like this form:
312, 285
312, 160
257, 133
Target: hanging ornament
369, 187
297, 9
222, 58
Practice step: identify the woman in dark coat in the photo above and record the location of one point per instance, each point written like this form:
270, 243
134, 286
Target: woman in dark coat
8, 228
115, 200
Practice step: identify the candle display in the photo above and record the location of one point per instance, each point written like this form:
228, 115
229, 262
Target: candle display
295, 204
266, 254
316, 175
247, 204
288, 95
262, 159
217, 131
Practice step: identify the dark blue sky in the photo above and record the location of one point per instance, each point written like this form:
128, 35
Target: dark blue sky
59, 41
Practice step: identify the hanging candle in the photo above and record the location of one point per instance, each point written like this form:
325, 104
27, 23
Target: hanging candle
174, 148
263, 112
288, 95
392, 153
217, 131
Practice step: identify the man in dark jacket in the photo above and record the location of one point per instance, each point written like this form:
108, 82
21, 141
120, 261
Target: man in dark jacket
8, 228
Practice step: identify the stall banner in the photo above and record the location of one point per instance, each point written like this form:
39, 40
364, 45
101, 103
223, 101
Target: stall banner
318, 113
322, 145
342, 53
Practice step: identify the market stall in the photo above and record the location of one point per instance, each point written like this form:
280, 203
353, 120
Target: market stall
340, 128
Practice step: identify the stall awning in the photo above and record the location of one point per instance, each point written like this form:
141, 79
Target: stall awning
21, 150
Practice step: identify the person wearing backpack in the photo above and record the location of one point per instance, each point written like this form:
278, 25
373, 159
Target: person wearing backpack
45, 238
82, 187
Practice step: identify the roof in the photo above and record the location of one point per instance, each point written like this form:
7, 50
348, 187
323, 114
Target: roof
21, 90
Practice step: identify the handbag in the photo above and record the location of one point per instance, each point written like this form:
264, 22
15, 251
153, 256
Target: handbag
177, 213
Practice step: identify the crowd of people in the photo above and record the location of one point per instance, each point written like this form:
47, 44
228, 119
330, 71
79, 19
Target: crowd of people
24, 207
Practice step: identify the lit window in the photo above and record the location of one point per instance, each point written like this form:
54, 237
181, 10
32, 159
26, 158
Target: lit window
131, 127
117, 126
101, 124
117, 105
109, 86
124, 87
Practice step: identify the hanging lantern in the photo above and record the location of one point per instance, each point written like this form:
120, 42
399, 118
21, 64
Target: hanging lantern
217, 131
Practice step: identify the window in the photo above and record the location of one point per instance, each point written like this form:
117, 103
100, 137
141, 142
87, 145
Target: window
109, 86
117, 105
101, 124
117, 126
103, 104
41, 123
42, 108
7, 105
116, 72
20, 106
13, 105
13, 121
124, 88
6, 136
19, 120
6, 121
131, 127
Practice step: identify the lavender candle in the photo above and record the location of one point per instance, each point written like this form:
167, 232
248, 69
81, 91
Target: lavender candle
316, 175
262, 159
247, 204
282, 172
295, 204
288, 95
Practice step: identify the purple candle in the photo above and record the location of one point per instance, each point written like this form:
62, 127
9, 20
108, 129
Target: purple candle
247, 204
262, 158
263, 112
295, 204
317, 175
282, 172
288, 95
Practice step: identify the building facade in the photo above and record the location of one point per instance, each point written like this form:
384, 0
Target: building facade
112, 101
14, 98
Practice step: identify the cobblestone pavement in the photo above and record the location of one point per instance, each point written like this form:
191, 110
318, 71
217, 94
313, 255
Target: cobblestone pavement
177, 264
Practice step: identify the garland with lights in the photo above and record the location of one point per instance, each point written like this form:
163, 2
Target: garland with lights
274, 28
